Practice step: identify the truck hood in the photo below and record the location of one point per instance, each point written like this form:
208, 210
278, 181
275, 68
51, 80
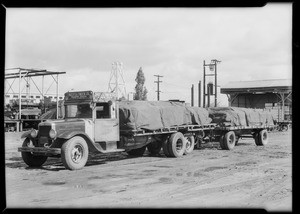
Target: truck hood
67, 124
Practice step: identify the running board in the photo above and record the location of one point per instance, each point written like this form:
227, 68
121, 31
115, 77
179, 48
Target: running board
113, 151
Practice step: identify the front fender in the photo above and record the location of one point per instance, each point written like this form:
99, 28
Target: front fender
26, 134
68, 135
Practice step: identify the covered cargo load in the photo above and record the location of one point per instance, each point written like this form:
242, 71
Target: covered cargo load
240, 116
153, 115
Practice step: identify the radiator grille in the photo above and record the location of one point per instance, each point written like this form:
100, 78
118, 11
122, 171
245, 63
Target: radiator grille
44, 131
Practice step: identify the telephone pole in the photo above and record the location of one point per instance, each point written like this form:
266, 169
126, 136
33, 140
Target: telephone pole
158, 91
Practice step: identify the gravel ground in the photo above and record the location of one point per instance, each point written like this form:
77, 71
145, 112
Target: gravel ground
246, 177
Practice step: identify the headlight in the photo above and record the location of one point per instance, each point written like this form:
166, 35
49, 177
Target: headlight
52, 133
33, 133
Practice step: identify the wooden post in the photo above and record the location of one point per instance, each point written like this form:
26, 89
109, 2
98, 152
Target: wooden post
208, 95
199, 94
204, 84
192, 95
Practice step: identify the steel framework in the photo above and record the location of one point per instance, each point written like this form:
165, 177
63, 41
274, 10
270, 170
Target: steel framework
116, 81
27, 75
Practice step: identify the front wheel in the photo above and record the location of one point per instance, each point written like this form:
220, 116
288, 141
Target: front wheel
74, 153
29, 158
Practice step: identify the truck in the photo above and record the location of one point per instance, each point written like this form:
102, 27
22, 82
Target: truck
92, 124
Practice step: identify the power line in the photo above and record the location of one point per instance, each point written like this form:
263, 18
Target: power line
158, 91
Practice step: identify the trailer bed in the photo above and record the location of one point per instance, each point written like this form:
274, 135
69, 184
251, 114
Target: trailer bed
168, 130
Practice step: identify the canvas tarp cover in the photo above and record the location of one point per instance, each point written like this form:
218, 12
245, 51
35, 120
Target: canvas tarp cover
240, 116
153, 115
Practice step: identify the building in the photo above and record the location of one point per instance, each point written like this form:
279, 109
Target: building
273, 94
31, 99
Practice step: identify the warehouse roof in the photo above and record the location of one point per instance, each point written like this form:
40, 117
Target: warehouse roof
270, 85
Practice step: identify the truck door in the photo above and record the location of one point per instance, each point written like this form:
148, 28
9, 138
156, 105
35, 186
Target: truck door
106, 122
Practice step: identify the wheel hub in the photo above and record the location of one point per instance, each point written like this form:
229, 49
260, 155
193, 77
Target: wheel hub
76, 154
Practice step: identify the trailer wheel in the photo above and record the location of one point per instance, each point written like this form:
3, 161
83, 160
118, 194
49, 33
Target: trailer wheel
74, 153
154, 147
31, 159
229, 140
137, 152
190, 144
261, 138
176, 144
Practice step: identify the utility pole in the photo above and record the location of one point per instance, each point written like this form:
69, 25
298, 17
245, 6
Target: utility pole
192, 95
158, 91
199, 94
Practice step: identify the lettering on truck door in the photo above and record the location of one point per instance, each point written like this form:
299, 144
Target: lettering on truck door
106, 122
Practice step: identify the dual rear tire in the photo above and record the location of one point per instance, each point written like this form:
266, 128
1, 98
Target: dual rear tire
228, 140
261, 138
175, 146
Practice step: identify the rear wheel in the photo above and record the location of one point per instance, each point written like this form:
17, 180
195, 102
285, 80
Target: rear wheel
229, 140
154, 147
176, 144
137, 152
74, 153
29, 158
261, 138
190, 144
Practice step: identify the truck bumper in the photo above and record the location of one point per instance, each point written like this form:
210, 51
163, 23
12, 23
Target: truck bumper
40, 150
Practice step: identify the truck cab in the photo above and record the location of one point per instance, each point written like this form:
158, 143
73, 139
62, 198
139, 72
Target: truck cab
91, 124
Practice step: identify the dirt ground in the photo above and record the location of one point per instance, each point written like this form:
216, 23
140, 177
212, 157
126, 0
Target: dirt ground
246, 177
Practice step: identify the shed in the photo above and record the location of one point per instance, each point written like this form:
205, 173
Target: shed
272, 94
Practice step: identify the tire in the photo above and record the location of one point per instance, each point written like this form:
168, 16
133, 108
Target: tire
190, 144
137, 152
30, 159
176, 144
261, 138
222, 142
74, 153
229, 140
237, 138
166, 148
154, 147
284, 128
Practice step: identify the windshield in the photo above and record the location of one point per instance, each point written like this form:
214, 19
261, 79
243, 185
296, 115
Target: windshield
78, 111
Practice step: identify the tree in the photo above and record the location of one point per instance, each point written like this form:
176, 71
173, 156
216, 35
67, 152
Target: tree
140, 89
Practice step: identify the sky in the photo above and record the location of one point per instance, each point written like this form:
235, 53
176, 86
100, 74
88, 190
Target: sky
251, 43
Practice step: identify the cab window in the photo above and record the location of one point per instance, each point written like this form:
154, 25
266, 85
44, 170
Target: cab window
78, 111
102, 110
